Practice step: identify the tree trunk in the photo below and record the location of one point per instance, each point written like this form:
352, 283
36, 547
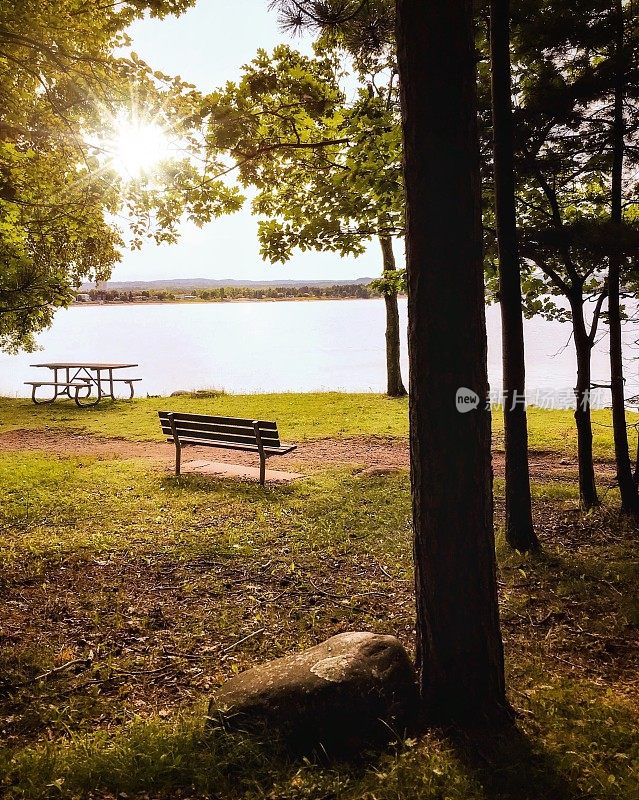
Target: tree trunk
520, 532
459, 647
627, 486
395, 386
583, 348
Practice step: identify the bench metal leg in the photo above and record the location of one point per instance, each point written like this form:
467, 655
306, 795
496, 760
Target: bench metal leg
260, 447
178, 446
42, 402
86, 399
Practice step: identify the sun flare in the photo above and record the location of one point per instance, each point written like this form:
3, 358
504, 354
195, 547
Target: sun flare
138, 146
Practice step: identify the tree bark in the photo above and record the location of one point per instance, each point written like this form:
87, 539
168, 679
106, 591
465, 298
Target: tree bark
520, 533
583, 347
459, 646
627, 486
394, 384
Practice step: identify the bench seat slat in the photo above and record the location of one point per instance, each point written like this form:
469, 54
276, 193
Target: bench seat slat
221, 437
230, 434
283, 448
225, 430
217, 428
206, 424
235, 421
58, 383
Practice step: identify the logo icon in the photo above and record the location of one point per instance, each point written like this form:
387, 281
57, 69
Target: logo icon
466, 400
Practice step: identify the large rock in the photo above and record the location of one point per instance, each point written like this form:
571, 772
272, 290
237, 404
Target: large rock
351, 691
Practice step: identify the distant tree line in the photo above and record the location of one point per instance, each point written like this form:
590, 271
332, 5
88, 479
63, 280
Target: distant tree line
224, 293
280, 292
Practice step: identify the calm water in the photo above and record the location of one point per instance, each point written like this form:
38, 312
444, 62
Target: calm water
278, 347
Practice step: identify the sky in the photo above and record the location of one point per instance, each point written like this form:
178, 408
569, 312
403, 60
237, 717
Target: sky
207, 46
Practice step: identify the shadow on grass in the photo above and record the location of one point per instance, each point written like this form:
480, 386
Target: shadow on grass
232, 488
579, 742
509, 766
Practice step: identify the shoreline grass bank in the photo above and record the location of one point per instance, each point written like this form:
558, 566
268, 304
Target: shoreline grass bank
299, 416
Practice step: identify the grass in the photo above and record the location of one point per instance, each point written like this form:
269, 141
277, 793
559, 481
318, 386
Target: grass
128, 596
300, 417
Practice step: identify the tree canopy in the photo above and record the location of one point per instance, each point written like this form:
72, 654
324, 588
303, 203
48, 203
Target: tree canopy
328, 172
65, 85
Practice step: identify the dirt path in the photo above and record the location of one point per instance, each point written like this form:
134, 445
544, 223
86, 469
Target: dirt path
370, 452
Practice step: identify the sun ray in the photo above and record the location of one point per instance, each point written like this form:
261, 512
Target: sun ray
138, 145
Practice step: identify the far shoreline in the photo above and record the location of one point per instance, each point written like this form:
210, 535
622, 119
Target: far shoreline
94, 303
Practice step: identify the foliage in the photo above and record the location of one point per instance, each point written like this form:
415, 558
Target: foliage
328, 172
563, 82
63, 92
391, 283
365, 28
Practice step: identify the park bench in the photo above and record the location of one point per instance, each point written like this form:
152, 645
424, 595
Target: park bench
229, 433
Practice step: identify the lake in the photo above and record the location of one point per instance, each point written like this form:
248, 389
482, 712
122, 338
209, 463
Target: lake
283, 346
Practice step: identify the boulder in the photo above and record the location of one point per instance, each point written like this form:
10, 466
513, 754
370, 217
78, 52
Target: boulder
352, 691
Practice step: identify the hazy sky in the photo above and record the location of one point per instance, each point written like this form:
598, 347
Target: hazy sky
207, 46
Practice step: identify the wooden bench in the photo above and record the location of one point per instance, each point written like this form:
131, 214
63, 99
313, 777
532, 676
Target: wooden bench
233, 433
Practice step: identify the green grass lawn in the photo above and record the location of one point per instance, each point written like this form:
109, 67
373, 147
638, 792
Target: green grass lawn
299, 417
128, 595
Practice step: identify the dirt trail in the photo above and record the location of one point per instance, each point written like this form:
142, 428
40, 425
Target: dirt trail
370, 452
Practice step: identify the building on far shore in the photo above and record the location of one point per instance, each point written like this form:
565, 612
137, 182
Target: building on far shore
83, 297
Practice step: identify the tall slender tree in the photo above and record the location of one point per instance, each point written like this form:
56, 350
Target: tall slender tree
627, 485
520, 532
459, 647
577, 88
328, 173
394, 384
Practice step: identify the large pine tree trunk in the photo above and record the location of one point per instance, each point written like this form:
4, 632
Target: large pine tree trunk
394, 384
627, 486
520, 532
583, 349
459, 647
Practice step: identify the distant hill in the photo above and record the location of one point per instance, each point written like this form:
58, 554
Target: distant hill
183, 284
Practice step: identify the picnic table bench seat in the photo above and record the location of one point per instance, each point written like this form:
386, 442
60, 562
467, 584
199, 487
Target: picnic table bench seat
229, 433
77, 384
81, 383
130, 381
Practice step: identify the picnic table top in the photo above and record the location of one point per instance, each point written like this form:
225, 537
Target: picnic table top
82, 364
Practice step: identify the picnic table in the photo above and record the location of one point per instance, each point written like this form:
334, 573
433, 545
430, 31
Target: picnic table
80, 381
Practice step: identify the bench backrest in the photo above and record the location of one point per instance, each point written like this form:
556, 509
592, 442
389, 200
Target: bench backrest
219, 429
